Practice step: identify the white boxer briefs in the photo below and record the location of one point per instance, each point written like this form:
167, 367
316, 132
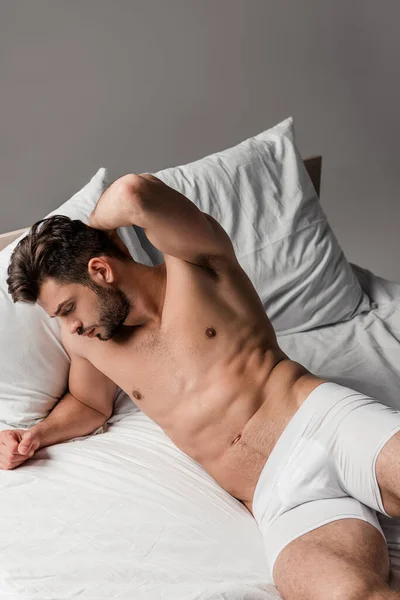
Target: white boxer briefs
322, 467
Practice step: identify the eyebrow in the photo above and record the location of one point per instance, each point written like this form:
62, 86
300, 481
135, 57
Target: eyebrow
60, 306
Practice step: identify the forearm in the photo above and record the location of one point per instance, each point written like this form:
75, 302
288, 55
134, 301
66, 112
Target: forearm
68, 419
119, 205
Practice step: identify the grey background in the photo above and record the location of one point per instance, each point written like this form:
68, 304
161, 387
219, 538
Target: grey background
142, 85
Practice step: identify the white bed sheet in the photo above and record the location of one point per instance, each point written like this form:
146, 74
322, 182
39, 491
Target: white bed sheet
126, 515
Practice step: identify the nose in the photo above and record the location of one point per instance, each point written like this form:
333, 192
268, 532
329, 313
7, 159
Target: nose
75, 326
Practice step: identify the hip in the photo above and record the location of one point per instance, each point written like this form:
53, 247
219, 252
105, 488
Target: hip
237, 469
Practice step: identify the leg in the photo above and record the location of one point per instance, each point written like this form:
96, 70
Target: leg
320, 543
388, 475
343, 560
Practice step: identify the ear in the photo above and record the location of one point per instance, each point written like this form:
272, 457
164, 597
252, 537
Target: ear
100, 270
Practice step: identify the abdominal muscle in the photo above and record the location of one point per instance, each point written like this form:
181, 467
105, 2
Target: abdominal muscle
236, 435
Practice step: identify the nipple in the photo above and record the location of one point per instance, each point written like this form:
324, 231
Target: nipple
136, 394
210, 332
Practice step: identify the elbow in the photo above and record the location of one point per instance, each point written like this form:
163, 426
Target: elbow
131, 185
107, 415
131, 190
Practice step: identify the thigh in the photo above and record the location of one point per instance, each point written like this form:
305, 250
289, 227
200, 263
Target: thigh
342, 559
387, 470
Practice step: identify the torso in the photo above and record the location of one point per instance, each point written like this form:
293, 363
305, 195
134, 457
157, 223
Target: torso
210, 374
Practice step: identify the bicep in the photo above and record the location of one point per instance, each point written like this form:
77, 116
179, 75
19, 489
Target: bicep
89, 385
176, 226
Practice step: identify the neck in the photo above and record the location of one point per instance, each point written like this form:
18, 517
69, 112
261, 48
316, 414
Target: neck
145, 288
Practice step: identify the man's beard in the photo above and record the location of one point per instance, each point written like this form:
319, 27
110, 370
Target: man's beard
115, 307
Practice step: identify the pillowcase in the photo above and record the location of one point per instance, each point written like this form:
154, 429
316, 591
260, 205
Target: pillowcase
262, 195
33, 363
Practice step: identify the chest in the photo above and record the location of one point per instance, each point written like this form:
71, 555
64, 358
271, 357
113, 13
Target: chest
207, 322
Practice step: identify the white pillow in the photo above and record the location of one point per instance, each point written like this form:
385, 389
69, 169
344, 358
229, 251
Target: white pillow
262, 195
33, 363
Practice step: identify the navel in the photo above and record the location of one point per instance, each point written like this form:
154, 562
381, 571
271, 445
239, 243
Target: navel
237, 439
136, 394
210, 332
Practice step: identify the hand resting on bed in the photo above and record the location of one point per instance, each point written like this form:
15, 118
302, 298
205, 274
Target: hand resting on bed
16, 447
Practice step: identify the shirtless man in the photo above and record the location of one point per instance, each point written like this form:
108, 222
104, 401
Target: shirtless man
190, 343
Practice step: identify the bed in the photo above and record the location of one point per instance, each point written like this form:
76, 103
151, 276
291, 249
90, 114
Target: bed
126, 514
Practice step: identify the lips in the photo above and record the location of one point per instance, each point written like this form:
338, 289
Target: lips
91, 332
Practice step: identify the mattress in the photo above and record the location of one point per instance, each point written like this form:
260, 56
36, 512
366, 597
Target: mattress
126, 515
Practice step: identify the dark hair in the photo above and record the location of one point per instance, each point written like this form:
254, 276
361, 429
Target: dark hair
60, 249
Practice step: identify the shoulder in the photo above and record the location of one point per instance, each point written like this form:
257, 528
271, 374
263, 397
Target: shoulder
74, 345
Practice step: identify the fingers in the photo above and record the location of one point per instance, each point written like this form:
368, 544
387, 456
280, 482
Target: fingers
25, 444
16, 446
10, 441
12, 461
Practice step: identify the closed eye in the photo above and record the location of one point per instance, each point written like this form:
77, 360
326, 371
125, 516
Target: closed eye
69, 310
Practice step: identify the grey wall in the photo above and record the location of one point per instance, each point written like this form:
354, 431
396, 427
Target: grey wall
141, 85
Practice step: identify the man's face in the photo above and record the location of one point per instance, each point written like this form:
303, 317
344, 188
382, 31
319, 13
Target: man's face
83, 309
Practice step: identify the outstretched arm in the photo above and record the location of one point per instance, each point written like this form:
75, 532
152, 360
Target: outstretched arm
70, 418
86, 406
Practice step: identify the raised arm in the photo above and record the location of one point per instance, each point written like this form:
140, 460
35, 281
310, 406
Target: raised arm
172, 222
